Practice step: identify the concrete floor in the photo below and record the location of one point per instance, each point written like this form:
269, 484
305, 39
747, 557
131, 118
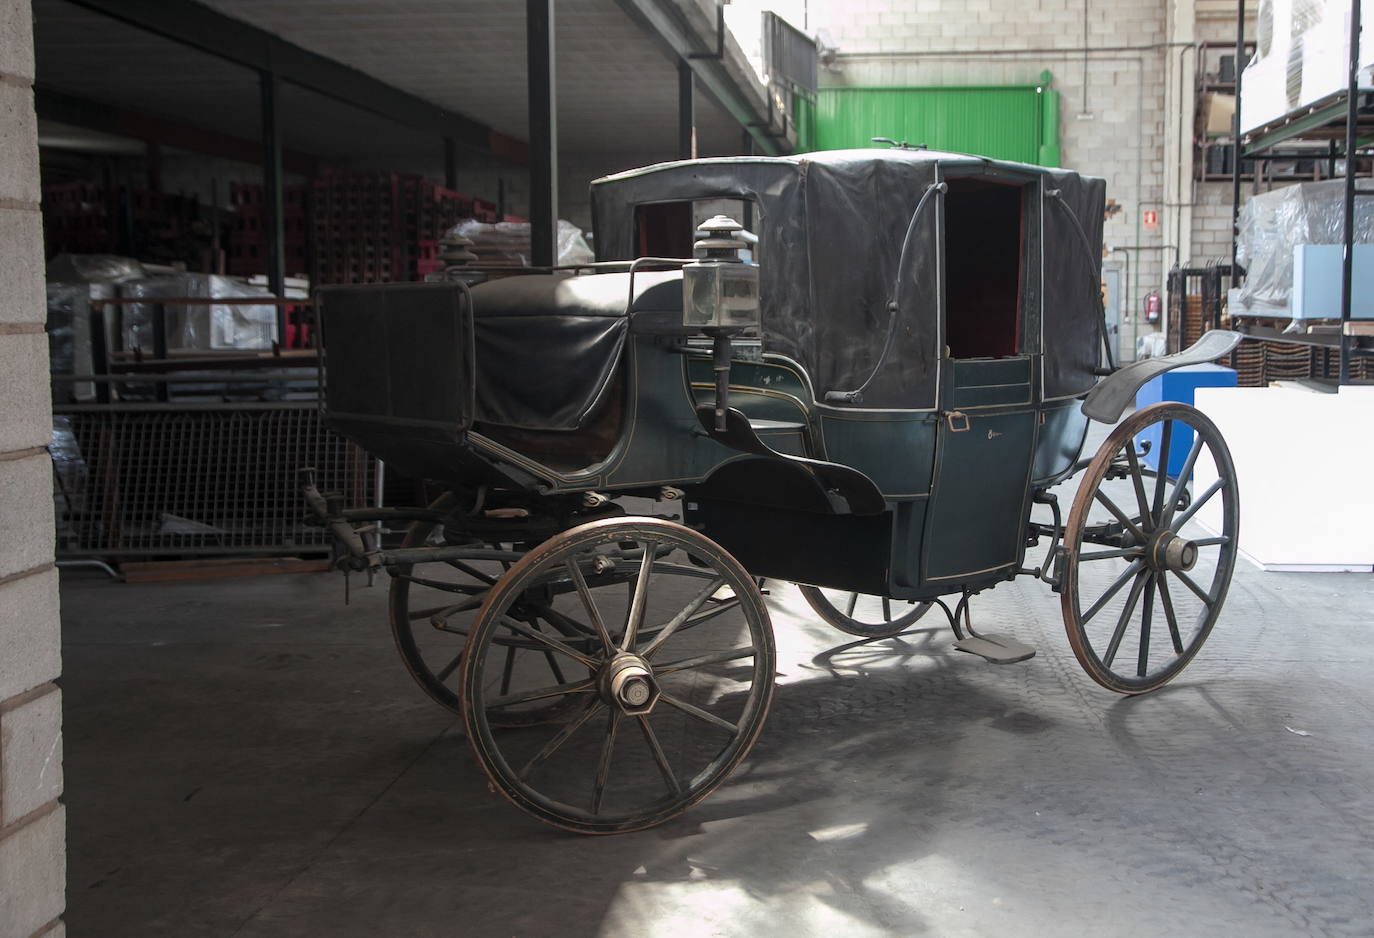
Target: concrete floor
249, 758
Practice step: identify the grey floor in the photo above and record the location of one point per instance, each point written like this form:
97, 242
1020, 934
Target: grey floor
249, 758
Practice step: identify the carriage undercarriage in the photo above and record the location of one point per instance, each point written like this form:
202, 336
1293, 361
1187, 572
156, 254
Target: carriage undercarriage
612, 668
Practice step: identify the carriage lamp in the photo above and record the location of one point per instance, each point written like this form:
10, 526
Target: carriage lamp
720, 297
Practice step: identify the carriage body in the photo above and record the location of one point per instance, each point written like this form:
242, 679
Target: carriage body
591, 382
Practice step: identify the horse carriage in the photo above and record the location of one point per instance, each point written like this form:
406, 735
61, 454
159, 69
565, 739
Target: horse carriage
863, 372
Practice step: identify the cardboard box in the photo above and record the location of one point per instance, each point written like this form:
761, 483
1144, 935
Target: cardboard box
1215, 114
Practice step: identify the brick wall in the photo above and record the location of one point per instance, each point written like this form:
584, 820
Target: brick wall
32, 821
1120, 133
1212, 222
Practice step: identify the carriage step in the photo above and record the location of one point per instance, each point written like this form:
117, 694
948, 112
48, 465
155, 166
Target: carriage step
997, 649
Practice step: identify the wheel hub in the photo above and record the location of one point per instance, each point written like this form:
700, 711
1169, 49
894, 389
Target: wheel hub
627, 682
1169, 551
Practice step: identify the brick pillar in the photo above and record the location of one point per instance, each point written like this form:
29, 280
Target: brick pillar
32, 821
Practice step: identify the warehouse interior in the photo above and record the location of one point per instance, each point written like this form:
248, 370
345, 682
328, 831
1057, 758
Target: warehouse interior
388, 383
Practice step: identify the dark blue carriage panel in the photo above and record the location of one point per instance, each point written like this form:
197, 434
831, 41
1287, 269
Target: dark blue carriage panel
770, 394
849, 552
1063, 427
975, 522
895, 450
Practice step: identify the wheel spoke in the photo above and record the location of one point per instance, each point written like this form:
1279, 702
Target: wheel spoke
1182, 479
699, 713
1138, 483
1202, 500
1112, 590
603, 765
1120, 515
547, 640
576, 723
887, 609
543, 693
722, 607
1162, 473
683, 615
554, 668
443, 673
580, 582
674, 787
507, 669
473, 572
710, 657
566, 624
1109, 554
428, 612
1207, 599
1167, 602
853, 601
437, 618
1125, 619
1142, 666
466, 588
641, 596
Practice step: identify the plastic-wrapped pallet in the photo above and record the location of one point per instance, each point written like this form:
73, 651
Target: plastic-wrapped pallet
199, 327
69, 335
1273, 223
1302, 50
507, 243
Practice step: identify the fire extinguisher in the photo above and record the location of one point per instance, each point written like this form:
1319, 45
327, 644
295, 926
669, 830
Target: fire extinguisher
1152, 305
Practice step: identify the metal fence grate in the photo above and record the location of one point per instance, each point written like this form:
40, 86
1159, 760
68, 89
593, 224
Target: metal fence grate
147, 481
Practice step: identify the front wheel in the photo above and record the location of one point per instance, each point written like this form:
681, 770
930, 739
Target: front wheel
1132, 550
666, 684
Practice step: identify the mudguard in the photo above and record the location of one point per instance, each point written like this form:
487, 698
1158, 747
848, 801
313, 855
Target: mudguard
1109, 400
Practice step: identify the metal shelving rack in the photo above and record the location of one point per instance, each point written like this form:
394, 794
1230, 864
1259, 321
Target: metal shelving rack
1345, 117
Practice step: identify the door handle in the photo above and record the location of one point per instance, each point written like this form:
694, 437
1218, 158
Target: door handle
957, 421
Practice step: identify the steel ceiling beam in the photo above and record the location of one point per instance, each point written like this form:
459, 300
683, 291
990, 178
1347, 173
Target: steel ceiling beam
542, 72
212, 32
273, 199
666, 20
686, 111
124, 122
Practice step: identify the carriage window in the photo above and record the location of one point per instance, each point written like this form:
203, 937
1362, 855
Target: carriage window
668, 229
983, 257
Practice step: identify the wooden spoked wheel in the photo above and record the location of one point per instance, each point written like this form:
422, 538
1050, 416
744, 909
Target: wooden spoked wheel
862, 614
1143, 582
669, 680
432, 607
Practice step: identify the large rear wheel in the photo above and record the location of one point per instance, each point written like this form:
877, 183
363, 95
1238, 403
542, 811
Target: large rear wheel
432, 608
1143, 582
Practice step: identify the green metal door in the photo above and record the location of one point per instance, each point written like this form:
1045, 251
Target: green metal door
1010, 122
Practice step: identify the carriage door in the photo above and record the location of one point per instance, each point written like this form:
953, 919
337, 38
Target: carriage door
975, 522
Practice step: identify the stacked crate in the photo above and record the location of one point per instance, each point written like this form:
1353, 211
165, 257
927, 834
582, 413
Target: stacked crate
1261, 361
355, 227
427, 211
369, 227
246, 254
77, 218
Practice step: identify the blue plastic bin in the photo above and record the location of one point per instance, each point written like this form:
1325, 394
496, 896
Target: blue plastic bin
1178, 385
